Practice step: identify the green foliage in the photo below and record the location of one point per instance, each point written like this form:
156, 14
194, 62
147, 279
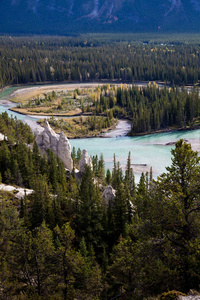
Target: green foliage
122, 270
15, 130
33, 59
152, 108
108, 177
89, 214
63, 242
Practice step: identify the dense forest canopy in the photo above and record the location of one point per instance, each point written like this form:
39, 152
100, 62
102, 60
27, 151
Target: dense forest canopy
41, 59
152, 108
65, 242
149, 108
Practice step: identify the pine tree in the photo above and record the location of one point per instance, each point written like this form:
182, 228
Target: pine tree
129, 177
179, 191
101, 169
42, 203
89, 216
122, 271
108, 177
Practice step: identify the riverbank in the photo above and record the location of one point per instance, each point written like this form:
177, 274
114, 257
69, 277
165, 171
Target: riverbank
27, 92
75, 113
31, 92
165, 130
63, 103
72, 99
81, 127
151, 150
121, 129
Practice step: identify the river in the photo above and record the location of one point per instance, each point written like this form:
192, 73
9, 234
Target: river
146, 151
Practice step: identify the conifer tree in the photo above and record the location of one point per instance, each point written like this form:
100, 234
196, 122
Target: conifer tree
89, 215
179, 191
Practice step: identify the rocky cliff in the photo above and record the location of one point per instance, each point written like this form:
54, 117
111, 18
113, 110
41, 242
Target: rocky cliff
85, 160
59, 144
109, 195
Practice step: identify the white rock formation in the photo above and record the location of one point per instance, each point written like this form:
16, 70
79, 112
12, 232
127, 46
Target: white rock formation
109, 195
85, 160
189, 297
59, 144
64, 151
18, 191
3, 137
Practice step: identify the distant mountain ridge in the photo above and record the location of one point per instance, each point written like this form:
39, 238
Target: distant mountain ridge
68, 16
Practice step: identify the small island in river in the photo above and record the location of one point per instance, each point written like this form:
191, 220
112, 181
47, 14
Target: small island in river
89, 110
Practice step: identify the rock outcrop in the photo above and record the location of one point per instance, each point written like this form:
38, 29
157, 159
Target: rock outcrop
64, 151
190, 297
3, 137
59, 144
85, 160
18, 192
109, 195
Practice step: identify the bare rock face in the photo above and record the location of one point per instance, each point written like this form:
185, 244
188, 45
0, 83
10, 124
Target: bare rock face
192, 295
18, 192
64, 151
59, 144
109, 195
189, 297
85, 160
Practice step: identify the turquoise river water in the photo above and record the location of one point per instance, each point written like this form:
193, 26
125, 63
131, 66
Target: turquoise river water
146, 151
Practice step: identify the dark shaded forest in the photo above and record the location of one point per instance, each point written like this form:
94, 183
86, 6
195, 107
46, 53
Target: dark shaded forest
50, 59
150, 108
65, 242
153, 108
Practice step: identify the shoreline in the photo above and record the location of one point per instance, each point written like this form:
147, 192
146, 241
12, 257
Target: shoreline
102, 81
35, 115
103, 134
73, 85
165, 130
111, 131
64, 85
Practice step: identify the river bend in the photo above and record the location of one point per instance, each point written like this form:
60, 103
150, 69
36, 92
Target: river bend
146, 151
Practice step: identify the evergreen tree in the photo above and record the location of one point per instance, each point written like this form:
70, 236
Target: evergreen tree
89, 215
179, 191
42, 203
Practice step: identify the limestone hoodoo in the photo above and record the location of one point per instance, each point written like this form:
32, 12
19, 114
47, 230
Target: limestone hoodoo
59, 144
109, 195
64, 151
85, 160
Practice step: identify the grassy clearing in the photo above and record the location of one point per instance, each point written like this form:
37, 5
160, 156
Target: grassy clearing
82, 126
54, 102
86, 102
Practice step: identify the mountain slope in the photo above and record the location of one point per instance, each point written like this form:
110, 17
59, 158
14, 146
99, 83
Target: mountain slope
67, 16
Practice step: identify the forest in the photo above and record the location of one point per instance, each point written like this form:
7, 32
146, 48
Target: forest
92, 58
65, 242
150, 108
